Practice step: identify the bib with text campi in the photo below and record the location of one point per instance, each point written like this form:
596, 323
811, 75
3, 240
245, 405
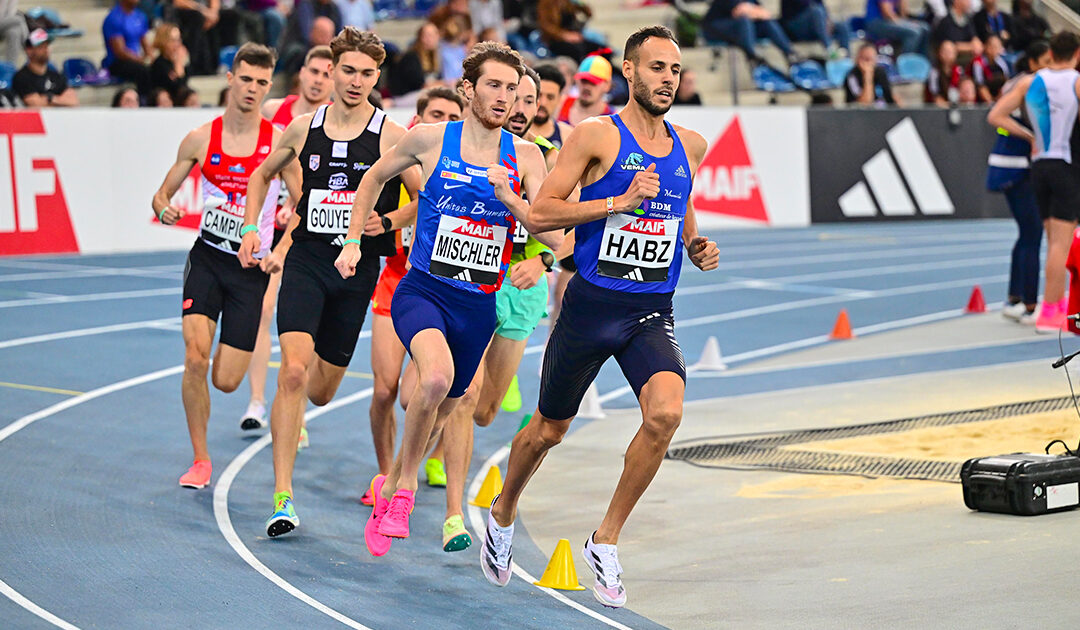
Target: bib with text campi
638, 248
223, 219
468, 250
328, 211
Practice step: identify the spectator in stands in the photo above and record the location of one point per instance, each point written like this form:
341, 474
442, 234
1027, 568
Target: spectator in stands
966, 93
37, 83
990, 21
127, 48
562, 26
126, 98
454, 44
889, 19
1026, 26
451, 8
687, 93
990, 68
198, 20
309, 25
358, 13
943, 84
868, 83
273, 22
420, 67
161, 97
593, 80
552, 87
169, 70
808, 20
488, 14
186, 97
957, 27
742, 22
12, 30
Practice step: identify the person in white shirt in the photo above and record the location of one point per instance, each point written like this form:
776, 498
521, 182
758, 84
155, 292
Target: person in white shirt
13, 30
358, 13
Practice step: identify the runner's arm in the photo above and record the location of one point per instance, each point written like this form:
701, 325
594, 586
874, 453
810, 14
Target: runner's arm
281, 158
186, 157
703, 252
999, 114
270, 107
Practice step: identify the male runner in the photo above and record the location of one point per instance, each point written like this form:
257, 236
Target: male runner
593, 81
519, 305
552, 88
444, 307
1051, 97
320, 314
635, 171
214, 284
315, 87
438, 104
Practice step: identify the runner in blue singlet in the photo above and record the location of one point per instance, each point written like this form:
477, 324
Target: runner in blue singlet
444, 308
635, 171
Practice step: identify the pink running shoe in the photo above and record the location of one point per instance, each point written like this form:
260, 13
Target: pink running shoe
396, 521
1051, 317
377, 544
366, 499
198, 476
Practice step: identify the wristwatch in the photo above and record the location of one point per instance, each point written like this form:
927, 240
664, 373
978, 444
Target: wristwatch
548, 259
387, 224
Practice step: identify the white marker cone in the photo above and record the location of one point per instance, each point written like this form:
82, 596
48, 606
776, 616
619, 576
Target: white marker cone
710, 357
590, 404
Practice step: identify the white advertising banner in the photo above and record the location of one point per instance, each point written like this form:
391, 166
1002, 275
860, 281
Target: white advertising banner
82, 180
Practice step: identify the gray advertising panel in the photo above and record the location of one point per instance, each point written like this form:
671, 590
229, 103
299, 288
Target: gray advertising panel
900, 164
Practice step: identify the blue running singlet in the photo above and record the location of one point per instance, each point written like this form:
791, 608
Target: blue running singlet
639, 251
463, 232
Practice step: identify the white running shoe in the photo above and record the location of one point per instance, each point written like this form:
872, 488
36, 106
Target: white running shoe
603, 561
255, 416
1028, 319
496, 554
1014, 311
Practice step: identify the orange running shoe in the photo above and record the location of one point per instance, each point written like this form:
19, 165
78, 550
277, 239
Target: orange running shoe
198, 476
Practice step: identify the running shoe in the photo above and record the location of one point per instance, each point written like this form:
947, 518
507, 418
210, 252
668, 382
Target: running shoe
511, 402
1051, 317
395, 522
304, 442
603, 561
1014, 311
1029, 317
436, 473
497, 552
366, 499
198, 476
284, 518
255, 416
377, 544
454, 535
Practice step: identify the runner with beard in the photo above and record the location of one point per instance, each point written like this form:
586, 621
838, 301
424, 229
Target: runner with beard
552, 88
635, 170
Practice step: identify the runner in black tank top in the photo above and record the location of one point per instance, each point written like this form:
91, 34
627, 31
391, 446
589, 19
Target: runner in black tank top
320, 313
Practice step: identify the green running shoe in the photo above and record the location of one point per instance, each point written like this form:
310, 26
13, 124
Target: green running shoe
284, 518
436, 473
511, 402
454, 535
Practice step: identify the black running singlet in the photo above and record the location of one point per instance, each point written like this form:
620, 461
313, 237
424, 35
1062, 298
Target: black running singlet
332, 172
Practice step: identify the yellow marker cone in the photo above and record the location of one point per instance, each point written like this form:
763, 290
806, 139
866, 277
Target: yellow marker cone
560, 572
492, 486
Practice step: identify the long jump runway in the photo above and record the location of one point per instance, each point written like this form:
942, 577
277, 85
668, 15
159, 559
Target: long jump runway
95, 532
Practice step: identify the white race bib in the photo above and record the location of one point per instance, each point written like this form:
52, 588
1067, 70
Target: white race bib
638, 248
221, 222
406, 236
468, 250
328, 211
521, 237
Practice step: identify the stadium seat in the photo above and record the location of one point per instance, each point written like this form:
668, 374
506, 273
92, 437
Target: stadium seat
80, 71
388, 9
913, 67
225, 59
890, 68
809, 75
7, 72
857, 26
535, 45
837, 69
768, 79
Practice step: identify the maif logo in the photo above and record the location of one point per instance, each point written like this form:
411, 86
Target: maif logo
34, 216
726, 181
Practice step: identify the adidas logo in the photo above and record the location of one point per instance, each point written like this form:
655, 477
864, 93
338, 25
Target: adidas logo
339, 240
680, 172
464, 276
888, 189
635, 274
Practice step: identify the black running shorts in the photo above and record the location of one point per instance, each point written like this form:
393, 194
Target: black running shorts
1057, 189
595, 324
216, 284
315, 299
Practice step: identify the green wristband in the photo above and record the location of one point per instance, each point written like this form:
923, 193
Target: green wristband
248, 228
351, 240
161, 214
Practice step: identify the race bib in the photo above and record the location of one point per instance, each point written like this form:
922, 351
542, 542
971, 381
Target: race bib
328, 211
467, 250
637, 248
521, 237
221, 223
406, 236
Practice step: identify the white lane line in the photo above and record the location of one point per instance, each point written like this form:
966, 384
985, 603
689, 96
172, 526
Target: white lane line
18, 598
85, 332
479, 527
92, 297
904, 252
68, 275
221, 514
857, 241
74, 271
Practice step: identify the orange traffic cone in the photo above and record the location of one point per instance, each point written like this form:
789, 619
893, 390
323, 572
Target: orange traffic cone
842, 329
976, 304
560, 572
492, 486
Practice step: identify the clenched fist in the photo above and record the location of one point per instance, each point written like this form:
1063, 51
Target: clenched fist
646, 185
499, 178
347, 260
249, 246
170, 215
704, 253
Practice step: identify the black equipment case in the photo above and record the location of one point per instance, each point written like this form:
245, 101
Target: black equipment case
1022, 483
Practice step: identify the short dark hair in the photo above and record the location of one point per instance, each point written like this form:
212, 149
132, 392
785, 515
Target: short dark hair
532, 74
255, 55
352, 39
490, 51
638, 37
449, 94
1064, 45
551, 72
319, 52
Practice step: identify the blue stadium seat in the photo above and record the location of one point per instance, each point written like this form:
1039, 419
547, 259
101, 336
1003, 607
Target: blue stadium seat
225, 59
913, 67
890, 68
77, 70
7, 72
768, 79
809, 75
536, 45
388, 9
857, 26
837, 69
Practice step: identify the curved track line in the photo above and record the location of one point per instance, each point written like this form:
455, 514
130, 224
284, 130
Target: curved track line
85, 332
480, 528
224, 523
18, 598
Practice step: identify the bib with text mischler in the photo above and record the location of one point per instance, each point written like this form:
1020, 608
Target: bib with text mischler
467, 250
328, 212
638, 248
